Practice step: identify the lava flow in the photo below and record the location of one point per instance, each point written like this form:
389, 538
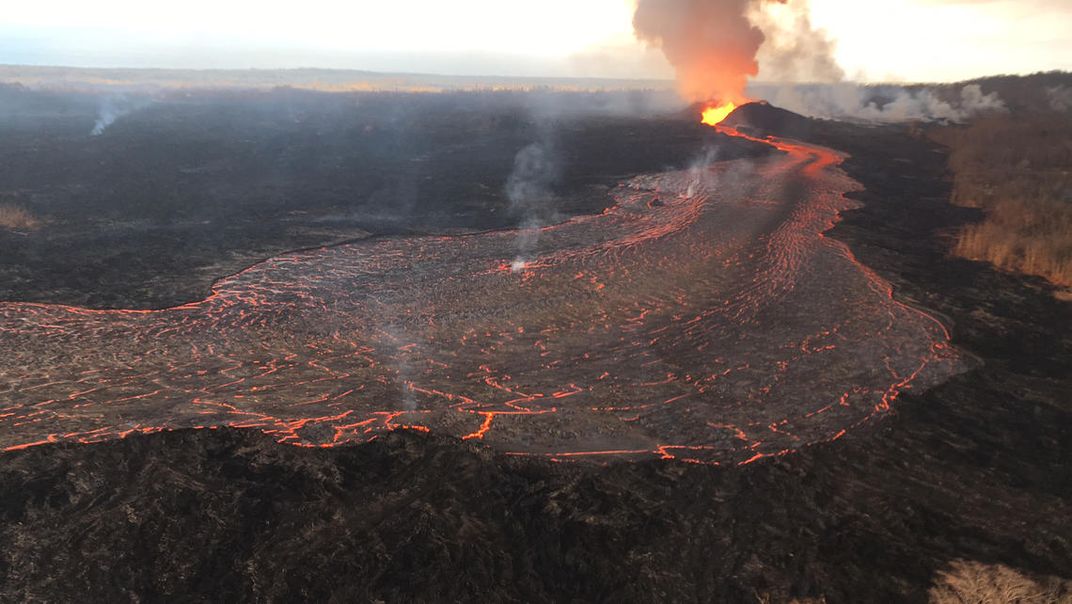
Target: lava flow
704, 317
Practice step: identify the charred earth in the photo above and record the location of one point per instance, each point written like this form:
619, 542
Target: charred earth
187, 187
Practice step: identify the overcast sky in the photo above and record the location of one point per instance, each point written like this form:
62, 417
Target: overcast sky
908, 40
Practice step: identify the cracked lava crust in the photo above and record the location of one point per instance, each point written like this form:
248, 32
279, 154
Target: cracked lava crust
704, 317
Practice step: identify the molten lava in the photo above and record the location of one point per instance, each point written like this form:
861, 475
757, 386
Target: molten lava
716, 326
714, 114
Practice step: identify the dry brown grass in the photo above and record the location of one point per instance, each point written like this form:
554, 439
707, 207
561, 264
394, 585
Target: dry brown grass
976, 583
17, 218
1018, 169
1033, 237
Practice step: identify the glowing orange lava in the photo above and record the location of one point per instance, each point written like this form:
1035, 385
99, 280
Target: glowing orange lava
718, 326
713, 115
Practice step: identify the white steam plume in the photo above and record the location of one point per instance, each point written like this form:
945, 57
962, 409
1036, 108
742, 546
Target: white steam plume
529, 190
113, 107
883, 104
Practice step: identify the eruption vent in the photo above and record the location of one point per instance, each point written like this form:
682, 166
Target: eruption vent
713, 115
712, 44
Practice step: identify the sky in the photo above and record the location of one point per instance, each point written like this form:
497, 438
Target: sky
892, 40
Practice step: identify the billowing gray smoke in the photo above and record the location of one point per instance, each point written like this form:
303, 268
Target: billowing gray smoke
794, 50
884, 103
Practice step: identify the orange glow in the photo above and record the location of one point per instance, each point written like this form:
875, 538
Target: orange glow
713, 115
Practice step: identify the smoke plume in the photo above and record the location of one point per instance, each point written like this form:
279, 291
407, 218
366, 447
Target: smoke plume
794, 50
529, 189
880, 103
113, 107
717, 46
711, 44
106, 116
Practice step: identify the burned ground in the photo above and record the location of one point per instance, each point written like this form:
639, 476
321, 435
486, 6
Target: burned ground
188, 187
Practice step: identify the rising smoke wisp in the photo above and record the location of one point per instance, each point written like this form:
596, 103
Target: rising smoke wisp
113, 107
529, 189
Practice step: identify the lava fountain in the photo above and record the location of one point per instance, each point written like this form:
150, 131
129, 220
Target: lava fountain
713, 114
